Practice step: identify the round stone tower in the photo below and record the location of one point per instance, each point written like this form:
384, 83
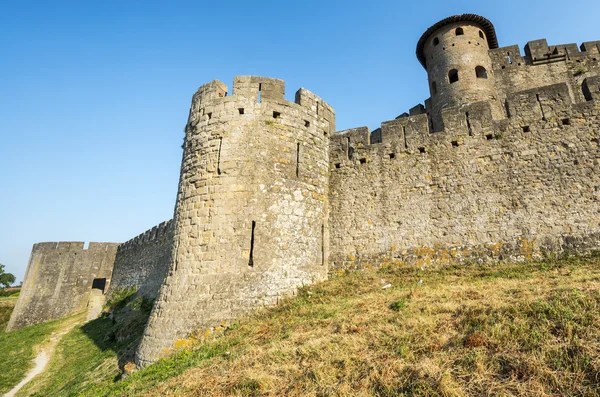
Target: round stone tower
454, 52
251, 217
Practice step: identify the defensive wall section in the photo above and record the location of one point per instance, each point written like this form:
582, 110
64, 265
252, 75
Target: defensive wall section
65, 278
498, 164
482, 189
251, 219
142, 263
59, 279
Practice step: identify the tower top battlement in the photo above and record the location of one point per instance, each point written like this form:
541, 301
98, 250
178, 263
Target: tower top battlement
486, 25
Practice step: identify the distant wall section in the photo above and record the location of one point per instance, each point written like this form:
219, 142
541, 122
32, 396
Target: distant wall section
143, 262
59, 279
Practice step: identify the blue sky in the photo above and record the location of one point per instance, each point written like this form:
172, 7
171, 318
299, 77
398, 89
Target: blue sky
94, 95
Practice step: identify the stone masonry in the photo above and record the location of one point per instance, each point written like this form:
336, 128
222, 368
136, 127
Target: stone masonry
59, 280
251, 220
498, 164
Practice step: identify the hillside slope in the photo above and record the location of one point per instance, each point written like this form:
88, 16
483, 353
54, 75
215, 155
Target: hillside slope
530, 329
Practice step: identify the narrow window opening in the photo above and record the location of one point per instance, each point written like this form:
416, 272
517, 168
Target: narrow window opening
566, 122
251, 260
507, 108
433, 88
489, 137
459, 31
392, 155
453, 76
99, 283
276, 115
509, 58
436, 41
481, 34
317, 108
469, 124
325, 133
306, 123
348, 148
421, 150
481, 73
209, 115
404, 133
297, 159
526, 128
537, 96
503, 67
337, 165
241, 110
259, 92
219, 157
363, 161
322, 245
454, 143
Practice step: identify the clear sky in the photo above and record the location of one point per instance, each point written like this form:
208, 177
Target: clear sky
94, 95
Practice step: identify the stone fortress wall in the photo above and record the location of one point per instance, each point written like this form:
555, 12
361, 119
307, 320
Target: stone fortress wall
142, 263
499, 164
508, 176
251, 219
59, 280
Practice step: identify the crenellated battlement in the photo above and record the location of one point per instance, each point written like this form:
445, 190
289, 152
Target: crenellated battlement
538, 52
212, 102
73, 247
158, 232
538, 108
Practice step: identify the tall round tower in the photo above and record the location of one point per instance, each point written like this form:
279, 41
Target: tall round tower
454, 52
251, 218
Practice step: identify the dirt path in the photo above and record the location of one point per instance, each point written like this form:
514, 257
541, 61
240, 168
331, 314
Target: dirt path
46, 349
43, 357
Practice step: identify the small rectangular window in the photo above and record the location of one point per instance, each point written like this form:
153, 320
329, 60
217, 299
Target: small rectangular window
526, 128
454, 143
363, 161
337, 165
306, 123
241, 110
392, 155
99, 283
276, 115
566, 122
209, 115
421, 150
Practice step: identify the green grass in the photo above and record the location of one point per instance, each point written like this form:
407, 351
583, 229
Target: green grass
524, 329
95, 352
17, 351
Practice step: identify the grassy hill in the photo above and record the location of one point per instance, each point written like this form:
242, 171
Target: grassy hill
530, 329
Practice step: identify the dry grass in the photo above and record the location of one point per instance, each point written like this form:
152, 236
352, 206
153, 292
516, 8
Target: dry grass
526, 330
6, 308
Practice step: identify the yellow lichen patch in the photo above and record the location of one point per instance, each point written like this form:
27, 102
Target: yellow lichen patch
496, 248
527, 248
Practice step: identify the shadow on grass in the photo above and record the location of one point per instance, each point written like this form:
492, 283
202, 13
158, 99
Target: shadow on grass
120, 330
